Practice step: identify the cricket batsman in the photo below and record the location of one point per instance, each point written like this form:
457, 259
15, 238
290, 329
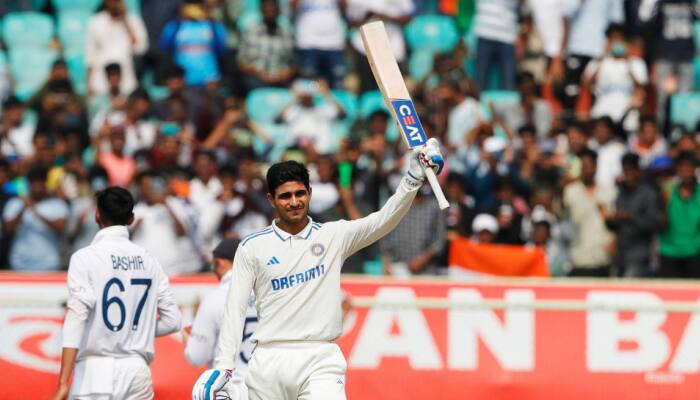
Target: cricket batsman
293, 268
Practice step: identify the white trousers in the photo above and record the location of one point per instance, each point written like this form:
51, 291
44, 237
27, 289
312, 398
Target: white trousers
104, 378
297, 371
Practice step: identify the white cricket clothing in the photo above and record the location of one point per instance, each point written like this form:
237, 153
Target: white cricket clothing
303, 371
296, 278
123, 288
207, 324
116, 289
101, 378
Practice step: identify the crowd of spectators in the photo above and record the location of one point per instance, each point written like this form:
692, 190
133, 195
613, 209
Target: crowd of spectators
555, 116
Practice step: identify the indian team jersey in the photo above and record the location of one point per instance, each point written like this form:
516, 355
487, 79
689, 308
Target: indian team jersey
123, 287
296, 278
207, 325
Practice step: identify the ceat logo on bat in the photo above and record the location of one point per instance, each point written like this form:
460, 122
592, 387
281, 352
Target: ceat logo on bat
410, 124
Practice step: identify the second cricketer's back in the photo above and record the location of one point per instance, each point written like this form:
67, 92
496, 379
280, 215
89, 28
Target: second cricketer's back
124, 288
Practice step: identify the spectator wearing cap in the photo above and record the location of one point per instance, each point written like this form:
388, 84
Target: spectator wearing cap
412, 247
648, 144
680, 240
16, 136
609, 149
166, 226
592, 244
195, 41
113, 36
36, 222
636, 218
320, 39
614, 77
266, 52
484, 228
670, 24
310, 123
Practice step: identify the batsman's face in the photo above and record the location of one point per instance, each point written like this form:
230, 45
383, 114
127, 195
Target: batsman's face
291, 200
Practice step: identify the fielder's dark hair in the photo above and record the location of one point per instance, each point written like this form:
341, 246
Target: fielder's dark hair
116, 205
286, 171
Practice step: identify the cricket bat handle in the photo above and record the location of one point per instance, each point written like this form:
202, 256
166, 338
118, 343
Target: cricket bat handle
437, 190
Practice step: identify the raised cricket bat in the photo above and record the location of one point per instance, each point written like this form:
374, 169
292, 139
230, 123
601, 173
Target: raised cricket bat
390, 81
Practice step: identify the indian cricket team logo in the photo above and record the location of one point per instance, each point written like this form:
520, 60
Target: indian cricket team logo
317, 249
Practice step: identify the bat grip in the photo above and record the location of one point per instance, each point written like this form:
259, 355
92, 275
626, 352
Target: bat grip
437, 190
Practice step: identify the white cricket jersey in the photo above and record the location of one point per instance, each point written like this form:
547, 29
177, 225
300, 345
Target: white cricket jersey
207, 325
124, 288
296, 278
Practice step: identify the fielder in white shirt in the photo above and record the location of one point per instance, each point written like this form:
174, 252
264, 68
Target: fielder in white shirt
116, 290
293, 268
200, 340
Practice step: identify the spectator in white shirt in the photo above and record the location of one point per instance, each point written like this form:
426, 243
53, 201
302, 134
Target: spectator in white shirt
310, 123
320, 39
15, 136
113, 37
166, 227
610, 152
395, 14
614, 77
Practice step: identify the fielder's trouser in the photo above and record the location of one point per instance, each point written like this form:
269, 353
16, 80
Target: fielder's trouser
106, 378
297, 371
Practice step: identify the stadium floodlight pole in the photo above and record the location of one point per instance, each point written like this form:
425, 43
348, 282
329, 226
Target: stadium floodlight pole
390, 81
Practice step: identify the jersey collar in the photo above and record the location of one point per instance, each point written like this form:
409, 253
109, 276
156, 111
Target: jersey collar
117, 231
303, 234
226, 278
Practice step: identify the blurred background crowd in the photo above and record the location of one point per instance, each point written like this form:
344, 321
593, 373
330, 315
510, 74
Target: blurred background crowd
568, 125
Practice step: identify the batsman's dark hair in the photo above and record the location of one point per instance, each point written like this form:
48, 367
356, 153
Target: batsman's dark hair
286, 171
116, 205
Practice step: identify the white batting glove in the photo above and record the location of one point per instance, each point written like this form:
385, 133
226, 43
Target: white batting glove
210, 383
427, 156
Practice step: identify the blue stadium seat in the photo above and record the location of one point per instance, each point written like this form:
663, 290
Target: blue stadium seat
72, 29
30, 68
696, 66
76, 5
38, 5
420, 63
348, 100
77, 70
263, 104
371, 102
27, 29
133, 6
433, 32
251, 5
280, 137
498, 98
685, 109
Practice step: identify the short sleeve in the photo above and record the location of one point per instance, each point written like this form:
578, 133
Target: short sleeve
12, 208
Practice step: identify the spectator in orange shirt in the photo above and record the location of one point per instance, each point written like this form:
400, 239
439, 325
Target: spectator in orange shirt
120, 167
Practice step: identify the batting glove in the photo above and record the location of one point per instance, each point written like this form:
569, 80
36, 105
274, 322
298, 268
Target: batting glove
209, 383
427, 156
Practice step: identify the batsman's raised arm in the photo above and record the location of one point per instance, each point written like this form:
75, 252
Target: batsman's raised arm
362, 232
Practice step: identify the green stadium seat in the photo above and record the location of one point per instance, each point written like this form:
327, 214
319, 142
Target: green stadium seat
72, 29
263, 104
420, 63
62, 6
30, 68
498, 98
370, 102
27, 29
432, 32
685, 109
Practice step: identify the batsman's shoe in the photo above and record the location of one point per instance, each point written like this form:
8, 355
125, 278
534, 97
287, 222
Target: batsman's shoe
210, 383
426, 156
